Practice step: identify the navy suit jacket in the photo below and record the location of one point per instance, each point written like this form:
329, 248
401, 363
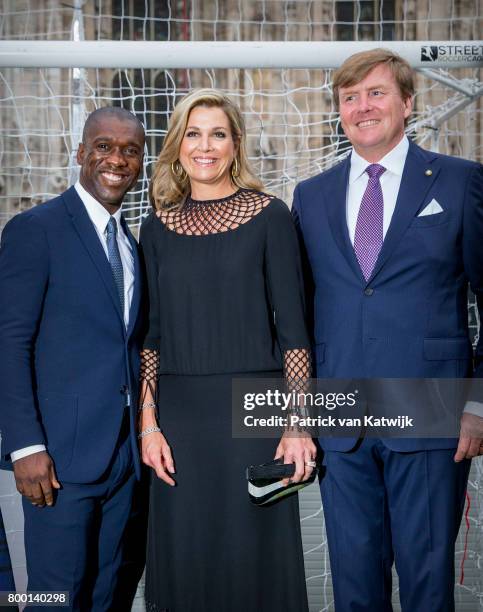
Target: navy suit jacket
67, 361
410, 319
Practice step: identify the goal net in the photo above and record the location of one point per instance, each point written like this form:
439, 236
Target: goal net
293, 128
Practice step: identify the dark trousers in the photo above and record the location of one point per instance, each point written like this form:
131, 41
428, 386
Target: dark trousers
134, 549
76, 544
382, 506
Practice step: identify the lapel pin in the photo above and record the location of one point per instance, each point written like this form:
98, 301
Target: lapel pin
428, 172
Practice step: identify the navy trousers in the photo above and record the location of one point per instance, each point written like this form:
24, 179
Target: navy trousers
76, 544
382, 506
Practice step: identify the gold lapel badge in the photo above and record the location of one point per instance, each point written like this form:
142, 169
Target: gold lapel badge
428, 172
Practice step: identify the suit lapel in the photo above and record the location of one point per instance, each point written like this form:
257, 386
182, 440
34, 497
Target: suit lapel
136, 297
415, 184
335, 187
89, 238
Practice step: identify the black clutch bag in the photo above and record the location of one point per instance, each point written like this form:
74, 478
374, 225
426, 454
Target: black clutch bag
265, 481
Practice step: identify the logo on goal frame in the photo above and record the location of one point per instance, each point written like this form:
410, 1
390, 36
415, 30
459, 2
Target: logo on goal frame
429, 53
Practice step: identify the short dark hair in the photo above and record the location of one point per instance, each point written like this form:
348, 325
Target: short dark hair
114, 111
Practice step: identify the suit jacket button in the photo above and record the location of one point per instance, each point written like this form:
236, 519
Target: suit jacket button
368, 291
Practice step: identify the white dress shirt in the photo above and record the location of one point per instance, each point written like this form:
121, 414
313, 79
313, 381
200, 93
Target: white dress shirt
390, 181
100, 218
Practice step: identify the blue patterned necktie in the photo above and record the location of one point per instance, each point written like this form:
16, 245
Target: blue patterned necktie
115, 259
369, 227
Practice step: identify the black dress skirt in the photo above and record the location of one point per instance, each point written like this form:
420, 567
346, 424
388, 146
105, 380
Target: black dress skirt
226, 300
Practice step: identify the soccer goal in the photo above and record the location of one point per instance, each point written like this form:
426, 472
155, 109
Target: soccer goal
60, 62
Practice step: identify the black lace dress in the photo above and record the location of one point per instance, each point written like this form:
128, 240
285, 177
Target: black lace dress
226, 299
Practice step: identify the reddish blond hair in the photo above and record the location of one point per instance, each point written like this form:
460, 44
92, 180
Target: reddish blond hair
358, 66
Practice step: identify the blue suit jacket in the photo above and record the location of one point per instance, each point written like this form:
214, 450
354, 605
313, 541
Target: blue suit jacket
67, 360
410, 319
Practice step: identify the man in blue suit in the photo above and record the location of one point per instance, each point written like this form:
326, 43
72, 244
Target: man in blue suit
393, 235
70, 288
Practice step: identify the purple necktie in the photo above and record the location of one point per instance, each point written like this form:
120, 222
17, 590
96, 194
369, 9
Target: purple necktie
368, 236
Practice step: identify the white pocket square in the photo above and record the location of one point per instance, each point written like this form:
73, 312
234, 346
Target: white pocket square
433, 208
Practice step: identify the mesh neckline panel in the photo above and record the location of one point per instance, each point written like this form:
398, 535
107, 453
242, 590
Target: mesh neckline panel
205, 217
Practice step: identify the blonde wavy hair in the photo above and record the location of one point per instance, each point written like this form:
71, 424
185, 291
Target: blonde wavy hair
169, 186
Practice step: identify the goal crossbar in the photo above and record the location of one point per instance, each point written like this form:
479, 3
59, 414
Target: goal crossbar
216, 54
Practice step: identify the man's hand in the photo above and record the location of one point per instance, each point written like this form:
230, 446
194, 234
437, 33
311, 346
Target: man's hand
35, 477
471, 437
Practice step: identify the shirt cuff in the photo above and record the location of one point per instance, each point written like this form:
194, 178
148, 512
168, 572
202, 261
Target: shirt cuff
25, 452
474, 408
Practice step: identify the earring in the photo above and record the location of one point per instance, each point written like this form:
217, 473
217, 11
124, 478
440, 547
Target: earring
235, 170
178, 170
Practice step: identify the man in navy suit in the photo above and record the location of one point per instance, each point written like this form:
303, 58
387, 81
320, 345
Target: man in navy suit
70, 288
393, 236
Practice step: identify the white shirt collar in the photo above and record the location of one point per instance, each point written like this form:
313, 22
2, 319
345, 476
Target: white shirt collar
96, 211
393, 161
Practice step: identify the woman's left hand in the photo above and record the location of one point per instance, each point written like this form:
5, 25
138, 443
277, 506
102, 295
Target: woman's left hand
297, 448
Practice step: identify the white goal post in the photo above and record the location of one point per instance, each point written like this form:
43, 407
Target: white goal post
222, 54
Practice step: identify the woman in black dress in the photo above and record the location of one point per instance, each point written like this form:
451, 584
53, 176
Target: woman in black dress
226, 300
